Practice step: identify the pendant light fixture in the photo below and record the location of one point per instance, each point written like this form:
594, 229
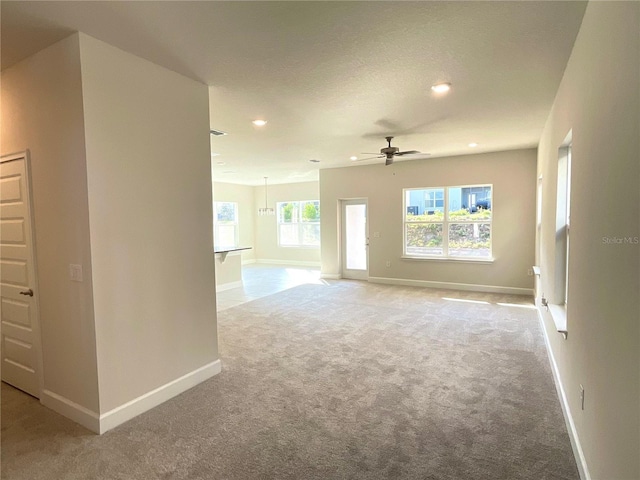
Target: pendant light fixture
266, 210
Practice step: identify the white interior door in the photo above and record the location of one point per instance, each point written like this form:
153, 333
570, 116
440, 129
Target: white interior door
355, 240
19, 332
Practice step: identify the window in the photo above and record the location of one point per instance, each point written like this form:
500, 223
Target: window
448, 222
539, 206
563, 216
434, 199
299, 224
225, 224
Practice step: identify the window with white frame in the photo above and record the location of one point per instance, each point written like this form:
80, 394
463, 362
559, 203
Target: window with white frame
563, 216
448, 222
539, 206
299, 223
225, 224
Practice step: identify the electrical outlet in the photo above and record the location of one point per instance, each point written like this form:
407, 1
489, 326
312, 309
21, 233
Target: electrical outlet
581, 397
530, 272
388, 263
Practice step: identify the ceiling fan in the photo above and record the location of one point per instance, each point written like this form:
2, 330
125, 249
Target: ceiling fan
390, 152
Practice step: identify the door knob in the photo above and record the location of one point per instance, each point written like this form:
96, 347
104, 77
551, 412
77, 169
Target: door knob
28, 292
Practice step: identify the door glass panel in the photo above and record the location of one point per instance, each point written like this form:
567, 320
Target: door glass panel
356, 236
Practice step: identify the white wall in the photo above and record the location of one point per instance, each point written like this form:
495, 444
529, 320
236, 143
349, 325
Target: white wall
266, 233
512, 174
599, 100
42, 111
243, 195
150, 209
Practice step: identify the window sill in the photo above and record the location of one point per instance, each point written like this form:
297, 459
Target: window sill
559, 316
453, 260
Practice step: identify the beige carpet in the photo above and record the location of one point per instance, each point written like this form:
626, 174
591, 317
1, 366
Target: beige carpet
336, 381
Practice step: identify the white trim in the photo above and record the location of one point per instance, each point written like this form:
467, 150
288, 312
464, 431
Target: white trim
302, 263
331, 276
228, 286
448, 259
119, 415
559, 316
79, 414
149, 400
581, 461
453, 286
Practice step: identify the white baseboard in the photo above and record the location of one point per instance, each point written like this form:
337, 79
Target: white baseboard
65, 407
152, 399
228, 286
119, 415
452, 286
331, 276
288, 262
578, 453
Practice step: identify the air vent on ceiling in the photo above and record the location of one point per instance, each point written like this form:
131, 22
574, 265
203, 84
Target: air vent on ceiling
217, 133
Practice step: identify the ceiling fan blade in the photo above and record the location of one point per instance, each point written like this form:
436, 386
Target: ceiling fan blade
370, 153
408, 152
415, 156
368, 158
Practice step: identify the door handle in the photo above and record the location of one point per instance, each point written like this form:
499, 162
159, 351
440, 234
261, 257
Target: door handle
28, 292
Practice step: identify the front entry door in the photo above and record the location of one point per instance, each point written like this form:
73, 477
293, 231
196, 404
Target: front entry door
20, 334
355, 240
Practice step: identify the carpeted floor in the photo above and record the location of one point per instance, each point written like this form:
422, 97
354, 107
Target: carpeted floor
343, 380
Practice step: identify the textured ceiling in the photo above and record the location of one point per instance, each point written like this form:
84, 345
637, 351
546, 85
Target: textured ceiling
334, 78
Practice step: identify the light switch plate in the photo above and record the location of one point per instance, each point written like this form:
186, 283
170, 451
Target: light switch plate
75, 272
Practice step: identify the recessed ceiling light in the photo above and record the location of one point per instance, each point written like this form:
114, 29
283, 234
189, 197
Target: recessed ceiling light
353, 158
441, 87
259, 123
313, 160
473, 144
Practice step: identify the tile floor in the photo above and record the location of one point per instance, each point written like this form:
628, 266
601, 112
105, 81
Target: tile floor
260, 280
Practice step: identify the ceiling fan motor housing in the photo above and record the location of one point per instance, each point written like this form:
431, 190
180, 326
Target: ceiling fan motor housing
389, 150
